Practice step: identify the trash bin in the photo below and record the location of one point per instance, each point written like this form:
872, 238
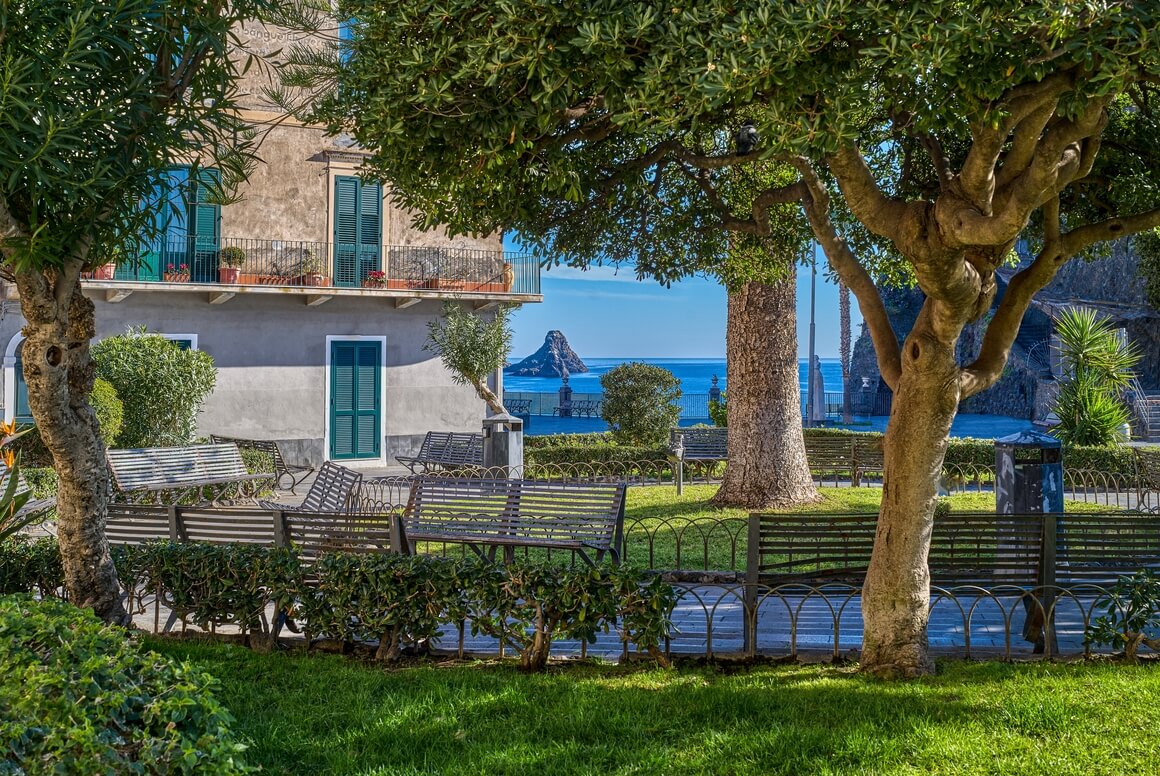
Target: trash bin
503, 446
1028, 474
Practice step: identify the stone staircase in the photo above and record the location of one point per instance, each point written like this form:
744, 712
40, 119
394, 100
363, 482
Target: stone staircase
1148, 411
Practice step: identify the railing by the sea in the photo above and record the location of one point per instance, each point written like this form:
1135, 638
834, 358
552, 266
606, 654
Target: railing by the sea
694, 406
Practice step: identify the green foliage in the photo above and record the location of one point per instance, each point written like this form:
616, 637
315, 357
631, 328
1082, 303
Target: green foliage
77, 696
1147, 245
719, 412
42, 480
232, 256
28, 566
471, 347
1132, 615
595, 453
161, 385
640, 403
1097, 368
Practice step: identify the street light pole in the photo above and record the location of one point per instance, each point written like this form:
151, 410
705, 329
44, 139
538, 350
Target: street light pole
810, 363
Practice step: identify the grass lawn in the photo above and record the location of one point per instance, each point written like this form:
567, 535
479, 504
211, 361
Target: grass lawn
315, 714
658, 515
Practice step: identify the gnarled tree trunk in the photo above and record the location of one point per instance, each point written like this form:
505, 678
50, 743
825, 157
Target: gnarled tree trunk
767, 455
60, 377
896, 594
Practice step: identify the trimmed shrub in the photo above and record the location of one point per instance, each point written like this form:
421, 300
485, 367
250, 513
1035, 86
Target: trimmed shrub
77, 696
28, 566
161, 386
640, 403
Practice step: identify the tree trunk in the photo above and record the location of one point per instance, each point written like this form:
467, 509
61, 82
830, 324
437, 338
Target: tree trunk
59, 375
767, 456
896, 595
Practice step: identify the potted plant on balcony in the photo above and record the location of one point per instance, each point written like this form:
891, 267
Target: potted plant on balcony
376, 278
180, 274
312, 269
230, 262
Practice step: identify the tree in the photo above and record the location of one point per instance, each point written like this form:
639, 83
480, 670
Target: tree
97, 98
471, 347
1097, 369
640, 403
949, 128
658, 216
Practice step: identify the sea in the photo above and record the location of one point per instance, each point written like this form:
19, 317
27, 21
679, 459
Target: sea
696, 377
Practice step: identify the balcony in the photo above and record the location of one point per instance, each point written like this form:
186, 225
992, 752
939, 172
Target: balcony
321, 271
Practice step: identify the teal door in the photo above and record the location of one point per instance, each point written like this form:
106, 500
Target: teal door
355, 411
358, 229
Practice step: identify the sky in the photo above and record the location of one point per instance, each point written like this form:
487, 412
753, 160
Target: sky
606, 314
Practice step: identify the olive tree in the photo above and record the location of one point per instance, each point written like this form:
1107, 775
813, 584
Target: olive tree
472, 347
96, 99
926, 137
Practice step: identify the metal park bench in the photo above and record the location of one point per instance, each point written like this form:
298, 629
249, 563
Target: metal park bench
1148, 478
1026, 554
335, 490
294, 474
494, 513
199, 473
696, 445
839, 456
519, 407
445, 450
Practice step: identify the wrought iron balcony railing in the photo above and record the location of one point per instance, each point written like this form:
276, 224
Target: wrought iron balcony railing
244, 262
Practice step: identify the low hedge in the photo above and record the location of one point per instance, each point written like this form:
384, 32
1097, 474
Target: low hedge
77, 696
961, 451
401, 600
28, 566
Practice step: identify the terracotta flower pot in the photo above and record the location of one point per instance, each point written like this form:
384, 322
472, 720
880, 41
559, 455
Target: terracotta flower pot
228, 275
105, 272
176, 277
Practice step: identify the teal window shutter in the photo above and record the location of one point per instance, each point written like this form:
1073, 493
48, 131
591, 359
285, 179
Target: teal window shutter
358, 229
21, 412
205, 223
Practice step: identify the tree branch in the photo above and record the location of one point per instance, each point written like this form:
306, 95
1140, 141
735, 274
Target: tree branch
853, 274
1023, 144
1083, 237
938, 158
880, 214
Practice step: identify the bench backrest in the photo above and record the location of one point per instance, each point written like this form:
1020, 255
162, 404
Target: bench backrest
138, 523
267, 446
162, 468
450, 448
1148, 467
701, 443
335, 489
592, 513
827, 454
966, 548
314, 535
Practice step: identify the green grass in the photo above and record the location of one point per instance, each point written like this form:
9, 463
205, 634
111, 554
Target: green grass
315, 714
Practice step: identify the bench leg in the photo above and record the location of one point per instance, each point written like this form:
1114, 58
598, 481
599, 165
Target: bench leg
680, 472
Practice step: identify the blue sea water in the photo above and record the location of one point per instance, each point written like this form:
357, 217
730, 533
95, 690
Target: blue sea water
695, 375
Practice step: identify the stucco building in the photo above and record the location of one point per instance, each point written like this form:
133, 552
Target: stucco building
318, 333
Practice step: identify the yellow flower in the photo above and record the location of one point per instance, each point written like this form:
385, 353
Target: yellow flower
7, 429
9, 458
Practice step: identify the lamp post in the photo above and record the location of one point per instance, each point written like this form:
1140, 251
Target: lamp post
810, 361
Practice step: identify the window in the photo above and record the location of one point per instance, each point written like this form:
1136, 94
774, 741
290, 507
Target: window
358, 217
186, 227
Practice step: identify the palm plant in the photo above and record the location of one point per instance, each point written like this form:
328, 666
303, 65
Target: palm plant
1097, 366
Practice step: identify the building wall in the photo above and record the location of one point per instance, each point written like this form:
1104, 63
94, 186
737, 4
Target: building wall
270, 351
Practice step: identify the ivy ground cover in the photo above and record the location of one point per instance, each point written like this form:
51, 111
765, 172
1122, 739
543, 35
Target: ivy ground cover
329, 714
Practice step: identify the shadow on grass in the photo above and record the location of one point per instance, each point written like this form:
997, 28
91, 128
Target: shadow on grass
324, 714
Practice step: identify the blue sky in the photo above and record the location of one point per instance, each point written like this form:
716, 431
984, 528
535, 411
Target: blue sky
605, 314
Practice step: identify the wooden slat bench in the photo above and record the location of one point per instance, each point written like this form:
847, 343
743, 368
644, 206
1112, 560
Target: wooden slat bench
293, 474
696, 445
151, 473
445, 450
140, 523
334, 490
831, 457
506, 513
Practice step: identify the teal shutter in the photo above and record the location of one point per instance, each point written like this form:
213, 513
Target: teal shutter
370, 227
358, 229
21, 412
205, 220
355, 412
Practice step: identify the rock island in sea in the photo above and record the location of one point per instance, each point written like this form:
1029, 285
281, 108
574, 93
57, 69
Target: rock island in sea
555, 358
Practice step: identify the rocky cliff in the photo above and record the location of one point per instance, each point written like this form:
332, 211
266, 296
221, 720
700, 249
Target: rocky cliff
554, 359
